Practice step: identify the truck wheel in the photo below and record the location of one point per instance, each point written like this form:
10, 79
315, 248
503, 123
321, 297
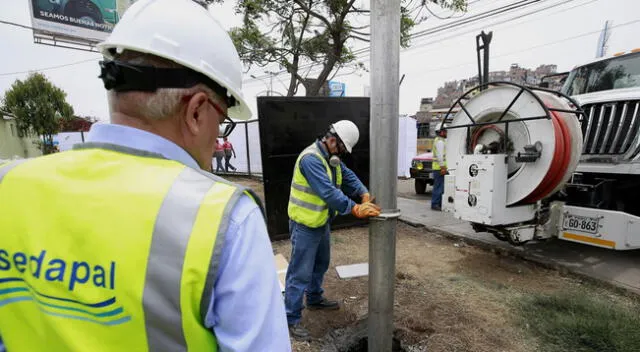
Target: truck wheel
421, 186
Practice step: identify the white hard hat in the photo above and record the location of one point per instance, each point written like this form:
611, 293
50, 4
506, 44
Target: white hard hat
186, 33
348, 133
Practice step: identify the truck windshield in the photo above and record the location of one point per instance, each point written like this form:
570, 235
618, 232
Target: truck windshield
615, 73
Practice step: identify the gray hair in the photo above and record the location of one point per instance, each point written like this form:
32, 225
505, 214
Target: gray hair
162, 104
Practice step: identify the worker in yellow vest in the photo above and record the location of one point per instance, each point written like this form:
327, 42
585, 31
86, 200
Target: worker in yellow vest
320, 190
439, 167
125, 243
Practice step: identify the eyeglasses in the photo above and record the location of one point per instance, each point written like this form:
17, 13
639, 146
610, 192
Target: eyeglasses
227, 125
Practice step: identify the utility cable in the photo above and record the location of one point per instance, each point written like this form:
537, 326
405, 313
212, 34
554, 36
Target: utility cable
364, 52
433, 30
47, 68
530, 48
16, 24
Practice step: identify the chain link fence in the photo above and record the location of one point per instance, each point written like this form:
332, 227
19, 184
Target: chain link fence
245, 139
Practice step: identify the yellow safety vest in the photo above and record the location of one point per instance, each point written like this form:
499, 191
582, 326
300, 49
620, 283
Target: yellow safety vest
435, 165
305, 207
109, 249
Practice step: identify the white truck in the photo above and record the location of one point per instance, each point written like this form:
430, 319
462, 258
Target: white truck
529, 164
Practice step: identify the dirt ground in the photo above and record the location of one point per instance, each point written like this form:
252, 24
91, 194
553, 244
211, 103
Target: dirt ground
448, 296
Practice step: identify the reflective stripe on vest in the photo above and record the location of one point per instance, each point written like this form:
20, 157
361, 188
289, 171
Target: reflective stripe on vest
435, 165
125, 258
5, 168
305, 207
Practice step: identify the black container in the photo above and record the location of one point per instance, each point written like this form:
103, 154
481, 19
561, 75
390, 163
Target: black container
287, 126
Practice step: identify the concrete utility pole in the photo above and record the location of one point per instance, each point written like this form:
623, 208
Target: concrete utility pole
385, 91
271, 74
269, 86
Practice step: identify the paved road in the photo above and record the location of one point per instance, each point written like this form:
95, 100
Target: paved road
406, 189
621, 268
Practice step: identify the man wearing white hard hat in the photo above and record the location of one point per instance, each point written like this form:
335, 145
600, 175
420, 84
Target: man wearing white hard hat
320, 190
139, 248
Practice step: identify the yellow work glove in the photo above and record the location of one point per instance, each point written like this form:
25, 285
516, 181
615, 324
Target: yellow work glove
365, 210
366, 198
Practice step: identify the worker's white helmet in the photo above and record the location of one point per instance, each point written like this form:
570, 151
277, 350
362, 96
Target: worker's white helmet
186, 33
348, 133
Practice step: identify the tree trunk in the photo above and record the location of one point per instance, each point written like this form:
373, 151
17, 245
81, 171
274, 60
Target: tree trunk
293, 83
313, 90
47, 145
332, 59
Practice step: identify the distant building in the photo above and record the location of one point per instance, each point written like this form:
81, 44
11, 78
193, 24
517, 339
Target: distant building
428, 120
546, 70
448, 93
452, 90
434, 110
426, 104
12, 145
76, 124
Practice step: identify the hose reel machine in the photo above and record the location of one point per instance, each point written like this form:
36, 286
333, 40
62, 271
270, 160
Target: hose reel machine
509, 148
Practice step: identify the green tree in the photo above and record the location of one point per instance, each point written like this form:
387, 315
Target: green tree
322, 33
38, 105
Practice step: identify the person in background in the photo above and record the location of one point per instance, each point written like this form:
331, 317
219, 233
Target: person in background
320, 191
139, 248
439, 167
228, 152
219, 154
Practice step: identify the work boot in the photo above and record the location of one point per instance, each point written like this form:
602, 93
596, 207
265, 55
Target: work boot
299, 333
324, 304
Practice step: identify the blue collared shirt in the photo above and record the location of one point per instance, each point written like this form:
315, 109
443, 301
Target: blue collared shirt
247, 309
337, 199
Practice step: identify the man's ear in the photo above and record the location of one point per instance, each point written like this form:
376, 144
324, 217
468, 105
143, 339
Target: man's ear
195, 109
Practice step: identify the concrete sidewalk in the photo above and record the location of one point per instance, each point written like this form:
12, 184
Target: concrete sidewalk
620, 268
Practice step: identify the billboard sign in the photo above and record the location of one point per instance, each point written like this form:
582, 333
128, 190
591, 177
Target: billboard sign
86, 20
336, 89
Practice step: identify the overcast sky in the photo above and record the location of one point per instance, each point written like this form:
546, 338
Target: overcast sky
553, 36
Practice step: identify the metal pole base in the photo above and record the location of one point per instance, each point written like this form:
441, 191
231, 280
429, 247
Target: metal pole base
382, 274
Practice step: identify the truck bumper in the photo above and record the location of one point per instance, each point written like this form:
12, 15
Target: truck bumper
423, 174
597, 227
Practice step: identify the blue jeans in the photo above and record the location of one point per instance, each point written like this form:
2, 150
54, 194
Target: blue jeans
227, 164
310, 255
219, 166
438, 189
